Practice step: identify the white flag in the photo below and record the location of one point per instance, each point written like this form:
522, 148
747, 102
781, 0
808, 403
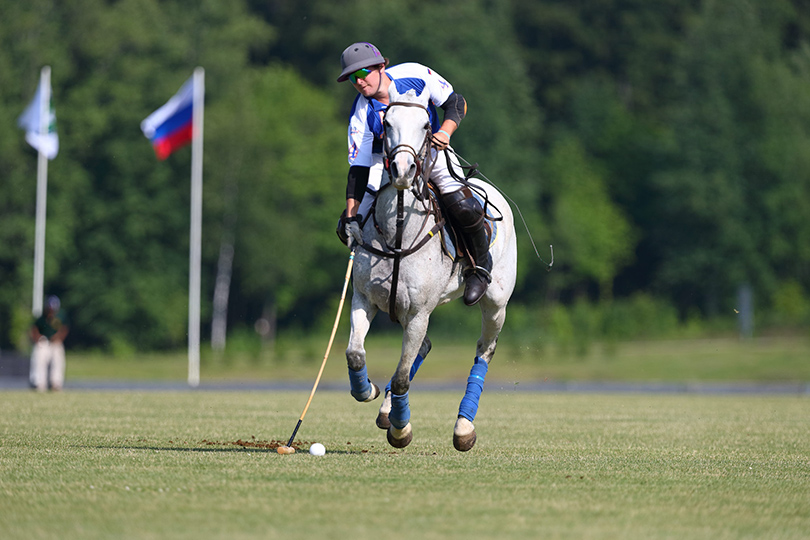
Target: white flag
46, 142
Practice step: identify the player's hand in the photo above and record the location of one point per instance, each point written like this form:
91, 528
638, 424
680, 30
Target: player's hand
440, 140
354, 234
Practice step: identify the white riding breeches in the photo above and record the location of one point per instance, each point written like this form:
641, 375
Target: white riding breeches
47, 365
440, 177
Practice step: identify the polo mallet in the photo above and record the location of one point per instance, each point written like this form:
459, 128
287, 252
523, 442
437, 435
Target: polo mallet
288, 449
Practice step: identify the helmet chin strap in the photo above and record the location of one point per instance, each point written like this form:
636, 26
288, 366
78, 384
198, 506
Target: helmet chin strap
379, 85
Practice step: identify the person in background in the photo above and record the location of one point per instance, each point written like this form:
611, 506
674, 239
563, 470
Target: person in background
48, 334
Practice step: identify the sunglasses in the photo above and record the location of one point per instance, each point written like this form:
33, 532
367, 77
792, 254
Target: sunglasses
359, 74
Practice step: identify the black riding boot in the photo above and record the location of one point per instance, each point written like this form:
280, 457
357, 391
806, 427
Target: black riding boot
467, 212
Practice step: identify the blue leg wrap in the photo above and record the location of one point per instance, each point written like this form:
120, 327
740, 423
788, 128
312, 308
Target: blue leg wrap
361, 386
414, 369
400, 413
475, 384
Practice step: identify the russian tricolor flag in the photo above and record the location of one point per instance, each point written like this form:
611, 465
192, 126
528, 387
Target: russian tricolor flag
171, 126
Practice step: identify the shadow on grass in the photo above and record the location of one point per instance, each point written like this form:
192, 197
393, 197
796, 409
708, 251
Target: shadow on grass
269, 448
259, 447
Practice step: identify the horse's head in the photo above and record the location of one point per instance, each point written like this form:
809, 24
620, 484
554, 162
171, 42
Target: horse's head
407, 136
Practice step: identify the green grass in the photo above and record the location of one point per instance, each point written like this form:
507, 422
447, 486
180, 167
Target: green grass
782, 359
135, 465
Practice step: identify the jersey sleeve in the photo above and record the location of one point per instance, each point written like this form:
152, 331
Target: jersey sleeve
438, 87
418, 77
360, 137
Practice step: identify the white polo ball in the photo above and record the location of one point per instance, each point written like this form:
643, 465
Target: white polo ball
317, 449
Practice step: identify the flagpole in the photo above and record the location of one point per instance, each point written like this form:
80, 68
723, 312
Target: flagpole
42, 192
195, 249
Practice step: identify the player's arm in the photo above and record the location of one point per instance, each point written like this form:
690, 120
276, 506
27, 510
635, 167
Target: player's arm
356, 184
455, 109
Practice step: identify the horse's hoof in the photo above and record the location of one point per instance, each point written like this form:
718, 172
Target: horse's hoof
464, 435
382, 417
375, 392
463, 443
404, 439
382, 421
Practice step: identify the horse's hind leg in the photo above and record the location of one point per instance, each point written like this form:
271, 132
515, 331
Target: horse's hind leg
382, 418
464, 435
493, 317
362, 389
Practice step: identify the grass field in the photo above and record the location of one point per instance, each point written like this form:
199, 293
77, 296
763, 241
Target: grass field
163, 465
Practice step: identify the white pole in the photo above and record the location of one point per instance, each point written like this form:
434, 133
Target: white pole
219, 322
42, 192
195, 257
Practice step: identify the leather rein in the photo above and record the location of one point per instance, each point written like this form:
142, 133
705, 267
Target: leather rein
422, 194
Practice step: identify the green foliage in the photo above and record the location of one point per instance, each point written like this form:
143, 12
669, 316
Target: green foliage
783, 194
575, 329
661, 147
274, 188
721, 191
790, 304
591, 232
640, 317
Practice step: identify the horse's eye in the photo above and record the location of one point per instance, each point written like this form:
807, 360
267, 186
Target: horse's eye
427, 125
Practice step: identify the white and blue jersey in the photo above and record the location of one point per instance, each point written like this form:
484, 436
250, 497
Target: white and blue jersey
365, 123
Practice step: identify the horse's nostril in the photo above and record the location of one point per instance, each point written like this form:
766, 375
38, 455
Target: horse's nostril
407, 170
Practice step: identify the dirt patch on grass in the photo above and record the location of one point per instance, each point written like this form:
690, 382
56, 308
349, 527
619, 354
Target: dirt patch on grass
264, 445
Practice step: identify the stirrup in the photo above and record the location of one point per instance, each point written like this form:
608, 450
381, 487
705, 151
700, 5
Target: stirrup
480, 270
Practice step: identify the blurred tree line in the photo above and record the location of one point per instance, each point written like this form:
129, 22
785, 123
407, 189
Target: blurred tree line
662, 147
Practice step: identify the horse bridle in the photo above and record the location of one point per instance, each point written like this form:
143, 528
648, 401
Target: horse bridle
419, 156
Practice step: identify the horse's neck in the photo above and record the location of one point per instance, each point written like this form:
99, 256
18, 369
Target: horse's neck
414, 213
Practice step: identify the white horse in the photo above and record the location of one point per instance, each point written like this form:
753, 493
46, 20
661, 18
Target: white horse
422, 277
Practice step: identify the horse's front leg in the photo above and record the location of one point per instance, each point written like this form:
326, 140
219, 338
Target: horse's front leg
400, 432
362, 389
382, 418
